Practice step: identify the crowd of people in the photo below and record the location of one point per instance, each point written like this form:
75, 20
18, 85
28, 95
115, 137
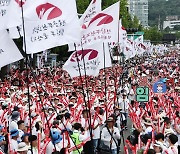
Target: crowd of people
45, 111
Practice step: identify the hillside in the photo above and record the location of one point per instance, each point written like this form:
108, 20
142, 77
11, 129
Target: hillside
162, 8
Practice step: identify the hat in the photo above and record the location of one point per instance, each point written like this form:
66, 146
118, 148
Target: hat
1, 138
124, 94
68, 91
72, 97
56, 137
5, 104
157, 144
148, 121
32, 138
110, 119
15, 115
2, 100
71, 103
14, 132
168, 132
22, 147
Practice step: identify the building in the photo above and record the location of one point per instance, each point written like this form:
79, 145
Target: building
170, 18
139, 8
171, 24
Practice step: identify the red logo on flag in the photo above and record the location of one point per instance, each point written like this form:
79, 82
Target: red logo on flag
78, 56
105, 19
48, 11
94, 1
123, 28
20, 2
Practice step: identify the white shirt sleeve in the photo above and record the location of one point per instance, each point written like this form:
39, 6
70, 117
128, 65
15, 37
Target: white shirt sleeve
83, 137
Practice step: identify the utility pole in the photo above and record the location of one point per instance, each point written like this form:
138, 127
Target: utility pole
159, 23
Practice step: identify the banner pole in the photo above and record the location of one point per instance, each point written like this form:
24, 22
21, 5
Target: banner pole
105, 86
27, 74
79, 69
89, 105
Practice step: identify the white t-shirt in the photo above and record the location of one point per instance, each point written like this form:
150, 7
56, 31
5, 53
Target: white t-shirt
96, 132
124, 104
148, 130
106, 137
21, 133
172, 150
50, 147
14, 145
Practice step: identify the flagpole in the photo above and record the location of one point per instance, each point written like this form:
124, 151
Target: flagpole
105, 81
89, 115
115, 80
89, 105
27, 77
46, 93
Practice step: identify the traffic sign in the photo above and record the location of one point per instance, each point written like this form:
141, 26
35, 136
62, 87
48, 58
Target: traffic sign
159, 87
142, 94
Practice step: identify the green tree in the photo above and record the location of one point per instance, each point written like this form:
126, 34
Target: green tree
176, 27
82, 5
135, 22
167, 29
178, 35
153, 34
162, 8
124, 14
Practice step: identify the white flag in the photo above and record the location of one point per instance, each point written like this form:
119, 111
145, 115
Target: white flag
94, 61
14, 13
129, 49
103, 27
4, 4
122, 33
50, 23
139, 40
139, 45
93, 8
9, 53
15, 32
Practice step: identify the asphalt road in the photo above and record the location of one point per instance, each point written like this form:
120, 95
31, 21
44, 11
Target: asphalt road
126, 133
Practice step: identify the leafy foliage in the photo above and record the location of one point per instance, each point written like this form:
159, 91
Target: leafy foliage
162, 8
153, 34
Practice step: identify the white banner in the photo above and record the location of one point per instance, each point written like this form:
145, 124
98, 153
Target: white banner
15, 32
122, 34
139, 45
93, 8
103, 27
9, 53
14, 13
94, 60
4, 4
50, 23
129, 50
139, 39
